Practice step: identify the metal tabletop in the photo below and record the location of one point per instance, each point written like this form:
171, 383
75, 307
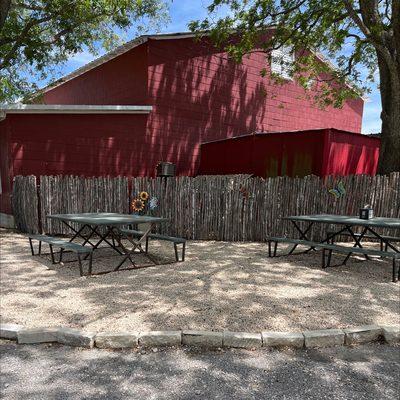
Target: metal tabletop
106, 219
380, 222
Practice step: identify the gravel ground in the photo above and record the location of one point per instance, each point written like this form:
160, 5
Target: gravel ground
60, 372
221, 285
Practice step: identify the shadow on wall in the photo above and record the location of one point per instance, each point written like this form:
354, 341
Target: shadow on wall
198, 94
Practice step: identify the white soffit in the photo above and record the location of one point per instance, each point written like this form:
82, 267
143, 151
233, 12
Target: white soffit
72, 109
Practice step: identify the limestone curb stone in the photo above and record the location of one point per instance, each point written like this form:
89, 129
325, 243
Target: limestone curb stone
324, 338
73, 337
283, 339
391, 334
246, 340
120, 340
9, 331
160, 338
362, 334
37, 335
202, 338
242, 340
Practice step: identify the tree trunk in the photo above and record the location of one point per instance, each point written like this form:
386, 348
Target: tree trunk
389, 156
4, 9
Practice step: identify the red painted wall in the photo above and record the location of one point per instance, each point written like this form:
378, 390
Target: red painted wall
198, 94
120, 81
346, 154
5, 167
319, 152
77, 144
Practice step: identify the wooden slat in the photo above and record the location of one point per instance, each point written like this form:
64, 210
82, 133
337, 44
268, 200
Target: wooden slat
206, 207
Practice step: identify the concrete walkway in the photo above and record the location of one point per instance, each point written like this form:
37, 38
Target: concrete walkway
60, 372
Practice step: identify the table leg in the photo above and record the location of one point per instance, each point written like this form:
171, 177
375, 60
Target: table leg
78, 232
103, 238
332, 236
303, 235
383, 240
357, 242
137, 244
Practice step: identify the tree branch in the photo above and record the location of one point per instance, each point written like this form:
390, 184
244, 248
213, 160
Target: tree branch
18, 43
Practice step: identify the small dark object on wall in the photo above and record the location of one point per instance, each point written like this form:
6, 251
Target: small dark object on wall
165, 169
366, 213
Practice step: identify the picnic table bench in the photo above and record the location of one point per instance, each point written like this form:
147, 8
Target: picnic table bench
174, 240
384, 238
338, 249
346, 226
108, 228
63, 245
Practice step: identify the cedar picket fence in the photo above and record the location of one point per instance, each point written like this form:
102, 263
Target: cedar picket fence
229, 208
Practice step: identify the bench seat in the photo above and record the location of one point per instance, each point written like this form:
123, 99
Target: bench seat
63, 245
366, 236
157, 236
75, 247
336, 248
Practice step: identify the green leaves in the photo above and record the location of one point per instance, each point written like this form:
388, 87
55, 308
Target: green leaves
37, 36
326, 26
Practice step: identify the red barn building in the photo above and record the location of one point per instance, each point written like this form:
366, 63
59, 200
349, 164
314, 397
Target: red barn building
165, 95
319, 152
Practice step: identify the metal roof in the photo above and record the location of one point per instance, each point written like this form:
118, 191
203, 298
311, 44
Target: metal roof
299, 132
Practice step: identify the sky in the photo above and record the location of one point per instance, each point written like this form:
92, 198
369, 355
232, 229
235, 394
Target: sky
184, 11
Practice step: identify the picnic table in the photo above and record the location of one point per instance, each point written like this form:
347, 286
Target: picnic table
109, 230
346, 224
343, 225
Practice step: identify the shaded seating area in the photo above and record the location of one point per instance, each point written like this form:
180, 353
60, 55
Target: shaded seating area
345, 226
96, 229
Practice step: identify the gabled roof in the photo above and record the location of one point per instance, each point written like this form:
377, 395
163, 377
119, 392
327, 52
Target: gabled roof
143, 39
115, 53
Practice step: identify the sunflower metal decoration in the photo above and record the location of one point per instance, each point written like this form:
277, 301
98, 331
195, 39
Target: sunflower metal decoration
137, 205
143, 196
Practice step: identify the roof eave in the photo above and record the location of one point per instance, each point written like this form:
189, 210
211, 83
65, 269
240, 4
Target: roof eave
72, 109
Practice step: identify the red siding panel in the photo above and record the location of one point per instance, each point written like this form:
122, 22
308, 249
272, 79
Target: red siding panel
5, 168
347, 154
120, 81
199, 94
89, 145
321, 152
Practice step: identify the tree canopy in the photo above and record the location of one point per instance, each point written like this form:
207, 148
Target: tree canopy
38, 35
362, 37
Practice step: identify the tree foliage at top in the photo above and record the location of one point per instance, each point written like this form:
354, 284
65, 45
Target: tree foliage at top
362, 37
38, 35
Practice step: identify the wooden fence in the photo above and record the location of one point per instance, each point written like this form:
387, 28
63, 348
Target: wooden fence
25, 204
231, 208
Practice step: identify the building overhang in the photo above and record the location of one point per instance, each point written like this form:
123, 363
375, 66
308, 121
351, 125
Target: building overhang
71, 109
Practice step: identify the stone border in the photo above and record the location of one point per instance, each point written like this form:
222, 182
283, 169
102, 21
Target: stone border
204, 339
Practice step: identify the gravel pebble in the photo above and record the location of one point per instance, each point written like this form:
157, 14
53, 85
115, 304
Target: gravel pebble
220, 286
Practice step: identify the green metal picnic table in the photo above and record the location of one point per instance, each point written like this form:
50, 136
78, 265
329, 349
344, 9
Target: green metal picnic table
112, 234
346, 224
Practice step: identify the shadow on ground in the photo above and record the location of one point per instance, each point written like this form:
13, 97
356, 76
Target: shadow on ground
60, 372
221, 285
